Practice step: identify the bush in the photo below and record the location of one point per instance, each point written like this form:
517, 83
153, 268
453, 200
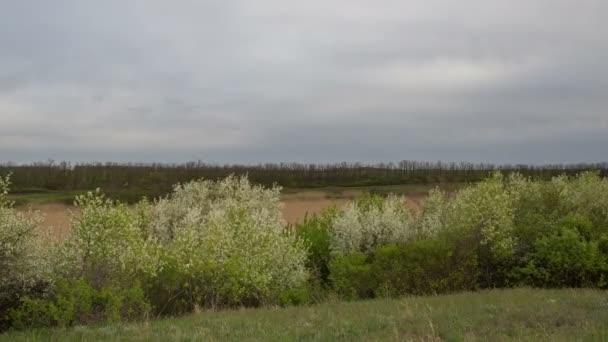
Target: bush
369, 222
419, 267
351, 277
431, 219
23, 256
566, 258
75, 302
315, 232
107, 246
481, 219
224, 244
217, 244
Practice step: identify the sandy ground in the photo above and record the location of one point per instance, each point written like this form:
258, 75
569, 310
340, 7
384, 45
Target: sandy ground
56, 217
295, 207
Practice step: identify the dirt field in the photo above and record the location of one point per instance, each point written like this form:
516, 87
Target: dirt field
295, 207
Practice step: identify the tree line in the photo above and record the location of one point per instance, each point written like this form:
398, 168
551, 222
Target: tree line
158, 178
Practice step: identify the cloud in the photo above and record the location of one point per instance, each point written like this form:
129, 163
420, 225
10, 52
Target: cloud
243, 81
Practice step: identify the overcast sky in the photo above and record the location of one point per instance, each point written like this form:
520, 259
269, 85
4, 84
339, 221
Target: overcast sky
310, 81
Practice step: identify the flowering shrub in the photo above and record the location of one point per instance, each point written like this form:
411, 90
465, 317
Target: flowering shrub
586, 195
97, 270
23, 257
226, 242
191, 203
107, 245
369, 222
432, 217
486, 210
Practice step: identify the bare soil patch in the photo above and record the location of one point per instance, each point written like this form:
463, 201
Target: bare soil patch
56, 217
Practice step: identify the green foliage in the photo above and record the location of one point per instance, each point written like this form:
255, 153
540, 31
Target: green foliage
75, 302
297, 296
315, 231
351, 276
503, 231
224, 244
565, 258
129, 182
24, 263
107, 245
421, 267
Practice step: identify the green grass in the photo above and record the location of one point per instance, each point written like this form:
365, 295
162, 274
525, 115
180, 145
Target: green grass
402, 189
495, 315
43, 197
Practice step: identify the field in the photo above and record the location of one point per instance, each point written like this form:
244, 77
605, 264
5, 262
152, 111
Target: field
491, 315
297, 202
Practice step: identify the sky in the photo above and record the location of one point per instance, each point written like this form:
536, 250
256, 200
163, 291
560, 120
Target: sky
241, 81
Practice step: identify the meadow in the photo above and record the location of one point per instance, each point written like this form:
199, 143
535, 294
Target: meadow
219, 256
489, 315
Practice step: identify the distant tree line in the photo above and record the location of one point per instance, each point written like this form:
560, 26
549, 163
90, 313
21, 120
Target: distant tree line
158, 178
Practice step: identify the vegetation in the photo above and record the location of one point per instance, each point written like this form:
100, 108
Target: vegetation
491, 315
222, 244
23, 258
502, 232
129, 182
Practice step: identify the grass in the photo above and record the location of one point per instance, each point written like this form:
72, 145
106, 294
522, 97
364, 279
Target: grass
43, 197
493, 315
402, 189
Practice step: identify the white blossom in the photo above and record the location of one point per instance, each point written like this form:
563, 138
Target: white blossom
364, 224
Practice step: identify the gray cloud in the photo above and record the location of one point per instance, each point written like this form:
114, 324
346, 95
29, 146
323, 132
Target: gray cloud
242, 81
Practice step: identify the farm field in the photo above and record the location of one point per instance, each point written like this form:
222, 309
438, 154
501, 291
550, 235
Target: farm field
490, 315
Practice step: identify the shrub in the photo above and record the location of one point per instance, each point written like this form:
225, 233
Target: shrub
297, 296
191, 203
351, 277
486, 210
369, 222
23, 256
107, 246
431, 219
587, 195
481, 218
315, 233
565, 258
224, 244
75, 302
426, 266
